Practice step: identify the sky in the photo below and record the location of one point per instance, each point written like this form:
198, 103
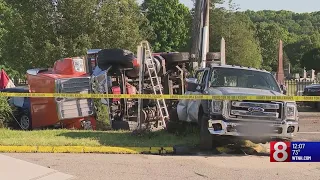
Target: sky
298, 6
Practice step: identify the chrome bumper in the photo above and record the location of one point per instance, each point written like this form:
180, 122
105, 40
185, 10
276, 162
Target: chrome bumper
250, 129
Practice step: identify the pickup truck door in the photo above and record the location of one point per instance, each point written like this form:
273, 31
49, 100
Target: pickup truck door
193, 105
184, 104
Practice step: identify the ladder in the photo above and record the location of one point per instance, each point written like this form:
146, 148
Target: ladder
155, 82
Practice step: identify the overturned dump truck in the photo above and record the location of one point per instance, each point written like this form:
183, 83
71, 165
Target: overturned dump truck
257, 120
119, 71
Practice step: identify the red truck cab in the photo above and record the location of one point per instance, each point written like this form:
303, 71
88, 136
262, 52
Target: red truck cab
67, 76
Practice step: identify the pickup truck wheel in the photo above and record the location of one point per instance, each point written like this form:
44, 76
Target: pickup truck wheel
206, 141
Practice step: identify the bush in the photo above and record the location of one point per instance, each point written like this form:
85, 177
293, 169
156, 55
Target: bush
5, 113
103, 122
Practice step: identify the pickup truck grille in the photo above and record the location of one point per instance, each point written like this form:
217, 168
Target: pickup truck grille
256, 110
70, 108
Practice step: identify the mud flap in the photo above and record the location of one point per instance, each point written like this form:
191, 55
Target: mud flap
193, 108
182, 109
184, 105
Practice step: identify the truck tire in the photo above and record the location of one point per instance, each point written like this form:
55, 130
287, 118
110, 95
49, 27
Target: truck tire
206, 139
119, 57
175, 57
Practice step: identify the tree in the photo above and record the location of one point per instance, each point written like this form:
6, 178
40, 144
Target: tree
171, 22
29, 41
122, 25
41, 32
269, 36
100, 24
296, 50
242, 47
5, 12
311, 60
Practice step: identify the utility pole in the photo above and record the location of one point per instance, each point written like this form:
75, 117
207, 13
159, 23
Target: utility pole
205, 32
200, 32
196, 34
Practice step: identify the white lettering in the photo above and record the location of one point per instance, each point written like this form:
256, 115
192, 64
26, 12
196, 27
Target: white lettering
301, 158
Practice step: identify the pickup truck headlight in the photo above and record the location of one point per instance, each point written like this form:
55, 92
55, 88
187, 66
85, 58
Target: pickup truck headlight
290, 111
217, 107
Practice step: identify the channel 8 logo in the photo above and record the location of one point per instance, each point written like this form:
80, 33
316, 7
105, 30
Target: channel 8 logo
280, 151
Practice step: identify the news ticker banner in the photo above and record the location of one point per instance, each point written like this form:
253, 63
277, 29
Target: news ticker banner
295, 152
164, 96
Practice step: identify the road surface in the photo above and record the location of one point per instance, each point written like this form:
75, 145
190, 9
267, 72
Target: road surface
309, 126
145, 167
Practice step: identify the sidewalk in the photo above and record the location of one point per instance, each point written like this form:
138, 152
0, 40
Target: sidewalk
15, 169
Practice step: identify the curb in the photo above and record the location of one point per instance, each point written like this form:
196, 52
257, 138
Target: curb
86, 149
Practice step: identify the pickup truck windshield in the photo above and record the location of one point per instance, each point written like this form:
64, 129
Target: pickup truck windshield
231, 77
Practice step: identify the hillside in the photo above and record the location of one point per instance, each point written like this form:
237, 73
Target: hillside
300, 31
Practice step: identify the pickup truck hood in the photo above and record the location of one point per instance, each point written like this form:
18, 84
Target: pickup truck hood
235, 91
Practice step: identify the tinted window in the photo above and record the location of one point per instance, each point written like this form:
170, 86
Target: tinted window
229, 77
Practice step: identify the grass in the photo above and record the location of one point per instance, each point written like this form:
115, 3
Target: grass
110, 142
92, 138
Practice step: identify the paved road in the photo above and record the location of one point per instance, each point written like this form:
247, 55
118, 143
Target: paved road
144, 167
96, 167
16, 169
309, 126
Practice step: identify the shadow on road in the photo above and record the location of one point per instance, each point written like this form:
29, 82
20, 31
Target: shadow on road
129, 139
304, 108
182, 144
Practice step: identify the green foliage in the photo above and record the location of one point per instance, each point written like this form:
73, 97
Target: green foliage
12, 73
103, 122
171, 22
29, 41
242, 47
311, 59
121, 25
37, 33
299, 32
296, 50
269, 36
5, 113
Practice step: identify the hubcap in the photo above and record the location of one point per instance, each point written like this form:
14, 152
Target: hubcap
25, 122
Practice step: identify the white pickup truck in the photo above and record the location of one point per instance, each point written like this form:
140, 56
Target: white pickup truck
252, 119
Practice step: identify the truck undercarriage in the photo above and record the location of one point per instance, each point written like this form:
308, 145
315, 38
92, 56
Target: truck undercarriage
148, 73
